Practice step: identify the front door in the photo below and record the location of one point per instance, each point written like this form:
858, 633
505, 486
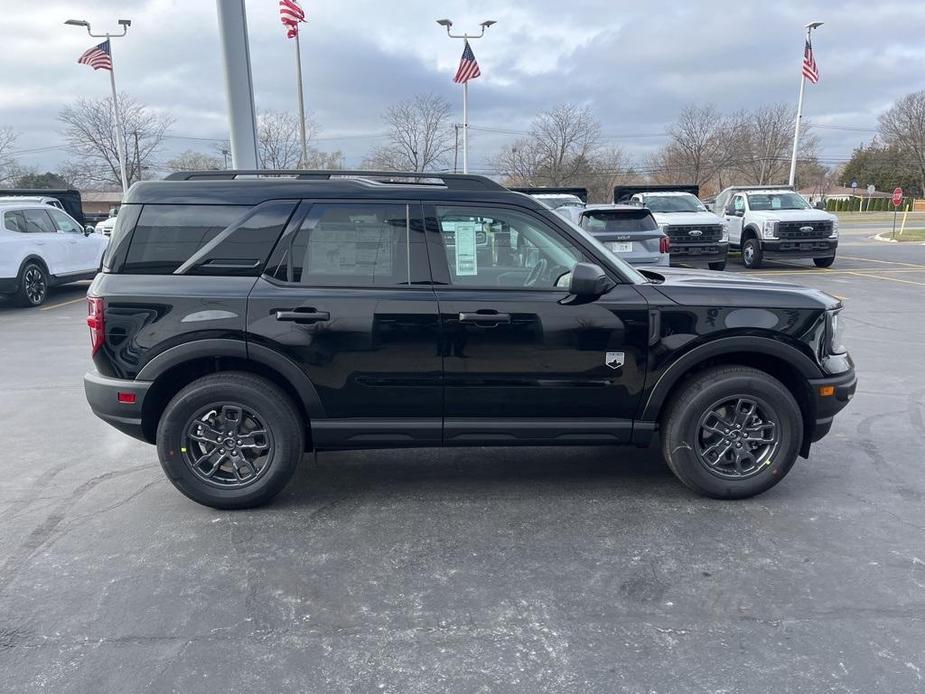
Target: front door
347, 297
521, 363
82, 250
735, 213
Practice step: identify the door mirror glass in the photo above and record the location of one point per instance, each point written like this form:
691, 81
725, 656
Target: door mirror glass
589, 280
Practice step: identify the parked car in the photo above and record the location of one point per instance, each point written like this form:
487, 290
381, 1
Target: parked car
242, 321
629, 231
106, 226
555, 198
66, 199
698, 237
777, 223
42, 246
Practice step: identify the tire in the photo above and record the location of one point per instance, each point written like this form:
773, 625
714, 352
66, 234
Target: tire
33, 285
684, 438
718, 267
824, 262
751, 254
261, 406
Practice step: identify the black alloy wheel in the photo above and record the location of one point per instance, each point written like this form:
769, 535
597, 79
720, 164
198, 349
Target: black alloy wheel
33, 285
738, 436
227, 445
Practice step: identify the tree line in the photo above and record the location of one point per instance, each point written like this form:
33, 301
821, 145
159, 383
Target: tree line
563, 146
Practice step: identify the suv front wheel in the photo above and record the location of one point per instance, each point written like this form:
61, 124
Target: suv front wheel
230, 440
732, 432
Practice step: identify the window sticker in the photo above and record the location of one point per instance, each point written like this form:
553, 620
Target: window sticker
466, 252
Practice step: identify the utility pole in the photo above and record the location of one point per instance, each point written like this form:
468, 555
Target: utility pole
116, 115
239, 84
796, 134
448, 25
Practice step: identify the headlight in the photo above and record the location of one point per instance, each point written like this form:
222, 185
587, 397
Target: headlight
724, 232
836, 333
769, 230
834, 234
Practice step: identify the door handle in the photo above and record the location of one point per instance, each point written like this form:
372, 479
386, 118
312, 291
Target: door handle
299, 315
485, 320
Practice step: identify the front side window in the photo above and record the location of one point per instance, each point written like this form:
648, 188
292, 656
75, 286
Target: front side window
738, 203
491, 248
64, 223
354, 245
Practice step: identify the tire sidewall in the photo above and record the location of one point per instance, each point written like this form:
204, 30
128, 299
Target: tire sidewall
276, 414
756, 258
682, 435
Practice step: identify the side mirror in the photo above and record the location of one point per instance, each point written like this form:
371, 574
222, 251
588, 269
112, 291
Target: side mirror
589, 281
89, 229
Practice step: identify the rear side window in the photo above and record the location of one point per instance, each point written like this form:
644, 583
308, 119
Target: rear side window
37, 222
205, 239
608, 221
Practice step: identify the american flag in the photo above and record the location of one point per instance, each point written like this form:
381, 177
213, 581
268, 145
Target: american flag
810, 71
291, 14
97, 57
468, 67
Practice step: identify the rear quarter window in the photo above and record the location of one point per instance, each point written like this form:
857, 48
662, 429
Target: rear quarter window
205, 239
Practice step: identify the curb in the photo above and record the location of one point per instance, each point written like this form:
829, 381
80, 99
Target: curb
881, 237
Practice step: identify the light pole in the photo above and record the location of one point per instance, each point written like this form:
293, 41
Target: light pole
117, 117
448, 25
796, 134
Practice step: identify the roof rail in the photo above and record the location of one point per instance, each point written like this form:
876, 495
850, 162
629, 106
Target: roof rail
450, 181
581, 193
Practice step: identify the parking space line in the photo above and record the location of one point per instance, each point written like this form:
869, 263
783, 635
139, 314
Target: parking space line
889, 279
886, 262
833, 272
63, 303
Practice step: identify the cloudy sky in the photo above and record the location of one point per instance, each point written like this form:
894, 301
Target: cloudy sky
635, 63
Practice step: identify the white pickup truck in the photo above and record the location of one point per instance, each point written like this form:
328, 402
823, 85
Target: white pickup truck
777, 223
42, 246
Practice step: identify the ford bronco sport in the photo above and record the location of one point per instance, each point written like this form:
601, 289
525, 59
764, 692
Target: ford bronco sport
243, 319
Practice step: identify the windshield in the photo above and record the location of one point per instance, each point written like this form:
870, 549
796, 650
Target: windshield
777, 201
554, 201
608, 221
631, 273
674, 203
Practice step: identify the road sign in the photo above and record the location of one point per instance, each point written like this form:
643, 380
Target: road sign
897, 196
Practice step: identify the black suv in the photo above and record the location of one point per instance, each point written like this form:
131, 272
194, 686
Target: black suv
242, 321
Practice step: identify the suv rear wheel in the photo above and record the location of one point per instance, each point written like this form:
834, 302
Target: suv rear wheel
751, 254
230, 440
732, 432
33, 285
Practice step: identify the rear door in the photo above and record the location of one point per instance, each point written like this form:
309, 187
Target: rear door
52, 246
347, 296
633, 234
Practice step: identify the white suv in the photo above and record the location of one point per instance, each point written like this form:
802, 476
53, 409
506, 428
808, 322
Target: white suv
42, 246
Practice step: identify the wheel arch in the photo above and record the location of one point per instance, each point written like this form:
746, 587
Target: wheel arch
750, 232
785, 363
175, 368
33, 257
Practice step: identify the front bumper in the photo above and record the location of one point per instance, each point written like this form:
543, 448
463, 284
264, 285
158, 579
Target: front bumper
814, 248
841, 389
103, 396
699, 254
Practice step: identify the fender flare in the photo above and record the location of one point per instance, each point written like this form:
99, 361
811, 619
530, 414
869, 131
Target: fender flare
223, 347
726, 345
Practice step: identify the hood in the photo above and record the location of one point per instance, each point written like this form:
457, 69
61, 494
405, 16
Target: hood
725, 289
793, 215
686, 218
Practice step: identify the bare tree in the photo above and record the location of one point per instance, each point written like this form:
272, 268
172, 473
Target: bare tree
520, 163
419, 136
608, 168
89, 128
279, 144
8, 168
903, 127
195, 161
762, 142
698, 145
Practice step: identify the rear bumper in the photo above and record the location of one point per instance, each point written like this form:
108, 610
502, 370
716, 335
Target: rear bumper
817, 248
103, 396
842, 388
660, 260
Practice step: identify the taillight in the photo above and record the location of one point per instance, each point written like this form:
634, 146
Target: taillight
664, 245
95, 323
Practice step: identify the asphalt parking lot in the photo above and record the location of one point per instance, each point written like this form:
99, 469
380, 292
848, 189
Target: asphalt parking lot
514, 570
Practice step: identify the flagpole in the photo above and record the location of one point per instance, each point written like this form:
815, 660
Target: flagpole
796, 134
466, 127
117, 117
298, 68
